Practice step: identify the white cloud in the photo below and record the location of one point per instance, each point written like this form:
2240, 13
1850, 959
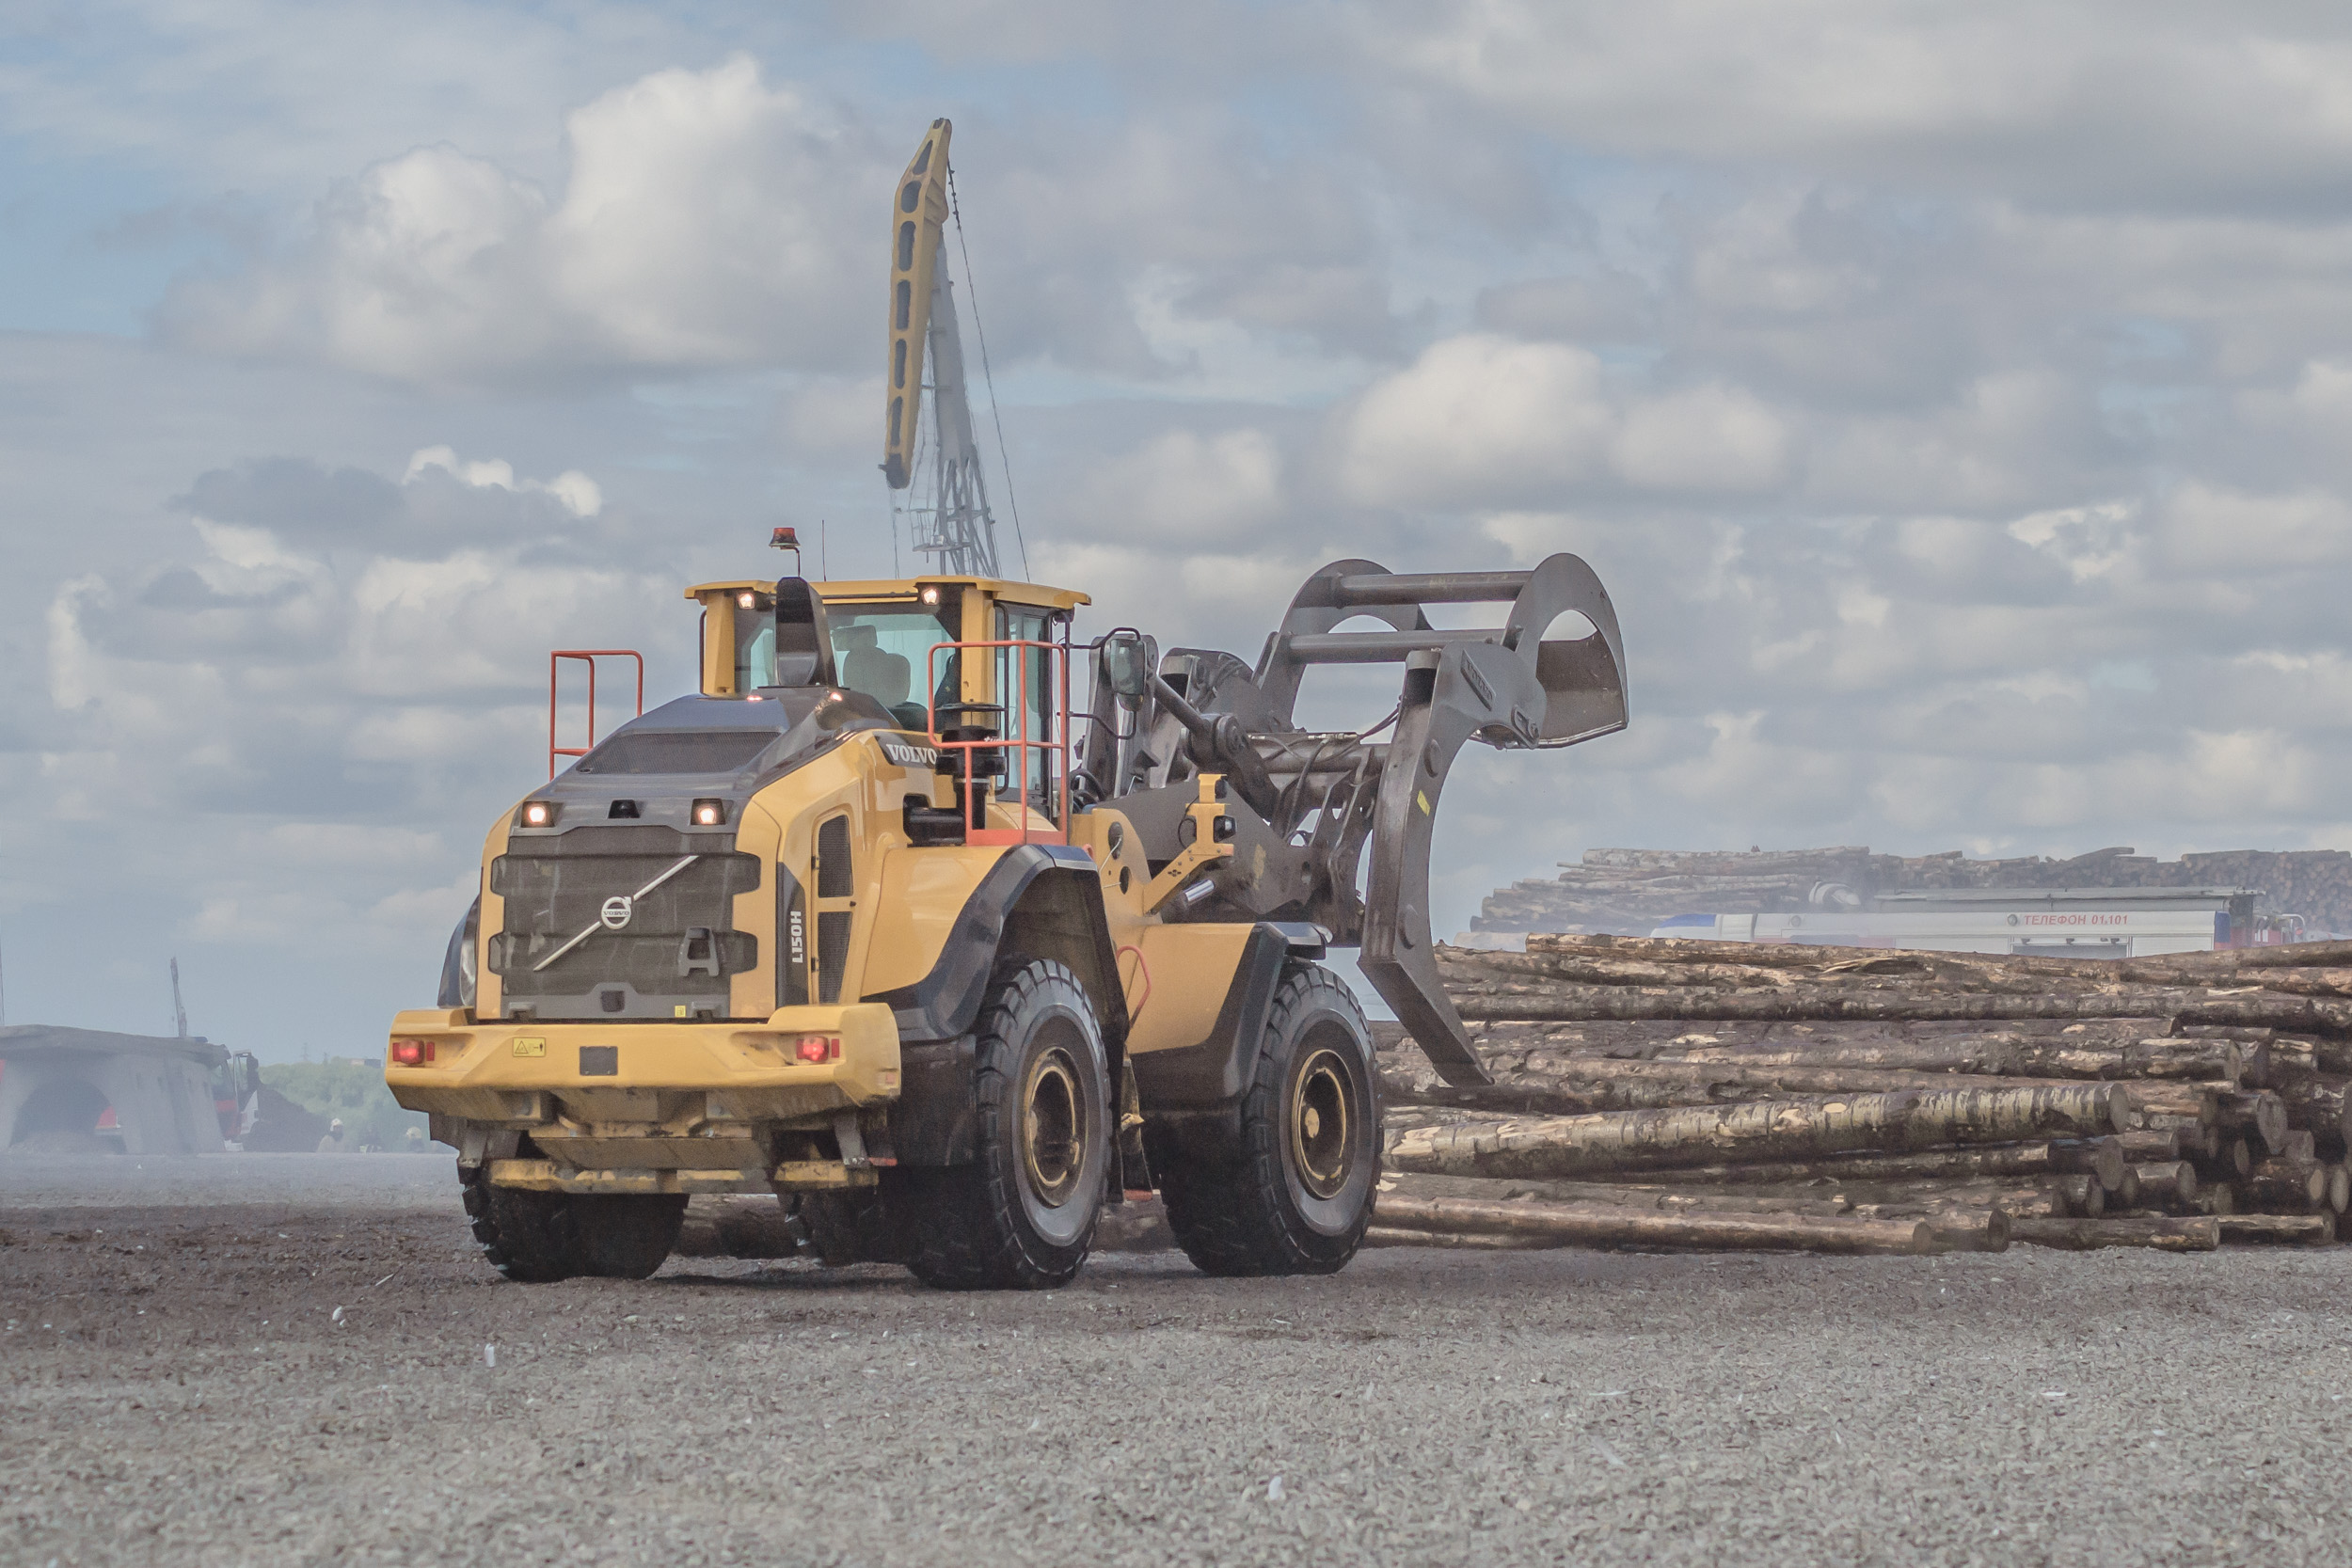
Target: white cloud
706, 219
1484, 420
1187, 488
2099, 100
580, 494
2213, 529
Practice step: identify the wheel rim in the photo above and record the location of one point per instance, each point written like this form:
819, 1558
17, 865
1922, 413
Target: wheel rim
1053, 1128
1322, 1141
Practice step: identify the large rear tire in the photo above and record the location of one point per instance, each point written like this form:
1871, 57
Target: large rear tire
859, 1225
626, 1235
1022, 1215
530, 1237
1286, 1184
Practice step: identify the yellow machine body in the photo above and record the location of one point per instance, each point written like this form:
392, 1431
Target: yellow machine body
712, 1101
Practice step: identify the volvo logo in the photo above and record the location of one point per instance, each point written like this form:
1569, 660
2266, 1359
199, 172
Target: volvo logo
617, 910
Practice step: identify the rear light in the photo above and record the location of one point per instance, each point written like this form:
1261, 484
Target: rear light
820, 1047
411, 1052
709, 813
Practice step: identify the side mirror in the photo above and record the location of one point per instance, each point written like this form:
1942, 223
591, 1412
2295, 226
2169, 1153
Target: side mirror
1124, 665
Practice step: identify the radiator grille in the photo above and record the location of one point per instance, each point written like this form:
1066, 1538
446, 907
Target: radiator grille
674, 947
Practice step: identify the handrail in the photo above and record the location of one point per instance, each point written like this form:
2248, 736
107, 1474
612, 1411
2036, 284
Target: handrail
1057, 776
589, 657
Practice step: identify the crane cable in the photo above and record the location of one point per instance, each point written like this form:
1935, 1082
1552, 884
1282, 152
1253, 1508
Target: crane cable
995, 412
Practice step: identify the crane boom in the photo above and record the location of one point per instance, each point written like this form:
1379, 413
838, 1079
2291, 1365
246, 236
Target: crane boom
961, 533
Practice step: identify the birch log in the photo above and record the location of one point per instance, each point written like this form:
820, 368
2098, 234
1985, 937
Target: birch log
2103, 1158
2288, 1186
1606, 1225
2199, 1234
2303, 1229
1770, 1130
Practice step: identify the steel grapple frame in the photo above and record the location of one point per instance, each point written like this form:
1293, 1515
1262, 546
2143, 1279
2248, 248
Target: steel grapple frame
1306, 804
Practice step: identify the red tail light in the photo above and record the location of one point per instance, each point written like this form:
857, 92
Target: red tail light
411, 1052
820, 1047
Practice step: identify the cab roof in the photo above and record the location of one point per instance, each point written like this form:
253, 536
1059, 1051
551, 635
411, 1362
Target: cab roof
906, 588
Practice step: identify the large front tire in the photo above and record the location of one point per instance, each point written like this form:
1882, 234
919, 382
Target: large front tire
1022, 1215
1285, 1183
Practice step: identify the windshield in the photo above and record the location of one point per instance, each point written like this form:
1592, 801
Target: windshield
882, 650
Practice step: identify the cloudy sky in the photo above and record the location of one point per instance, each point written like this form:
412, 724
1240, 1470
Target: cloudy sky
1956, 398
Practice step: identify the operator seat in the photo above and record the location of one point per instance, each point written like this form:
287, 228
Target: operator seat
868, 667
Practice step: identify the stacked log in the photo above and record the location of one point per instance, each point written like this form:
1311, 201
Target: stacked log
1633, 890
2179, 1102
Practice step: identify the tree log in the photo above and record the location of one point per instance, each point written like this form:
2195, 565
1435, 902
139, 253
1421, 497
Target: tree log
2230, 1159
1825, 1202
2151, 1144
2197, 1140
2319, 1103
2287, 1186
736, 1225
2246, 966
2103, 1158
1607, 1225
1996, 1056
2166, 1097
2294, 1229
2163, 1183
2058, 1196
2199, 1234
1624, 1140
1386, 1235
1499, 1000
1583, 1087
2257, 1111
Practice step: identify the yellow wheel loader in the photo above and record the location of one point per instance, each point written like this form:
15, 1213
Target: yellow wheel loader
878, 921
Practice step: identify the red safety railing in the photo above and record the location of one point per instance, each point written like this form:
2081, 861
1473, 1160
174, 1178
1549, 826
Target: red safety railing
589, 657
1014, 744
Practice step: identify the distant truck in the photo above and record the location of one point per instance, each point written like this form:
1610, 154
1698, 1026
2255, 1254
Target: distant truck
2081, 922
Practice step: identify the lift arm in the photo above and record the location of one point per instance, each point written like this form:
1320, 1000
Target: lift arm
918, 218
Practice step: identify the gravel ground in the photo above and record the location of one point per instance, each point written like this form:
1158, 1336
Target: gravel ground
282, 1359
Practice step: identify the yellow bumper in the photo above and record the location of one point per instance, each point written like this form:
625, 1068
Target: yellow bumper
550, 1175
523, 1074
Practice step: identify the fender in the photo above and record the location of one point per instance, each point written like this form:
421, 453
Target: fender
1215, 1071
943, 1003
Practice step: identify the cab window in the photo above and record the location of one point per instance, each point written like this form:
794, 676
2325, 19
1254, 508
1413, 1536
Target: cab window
1024, 685
883, 651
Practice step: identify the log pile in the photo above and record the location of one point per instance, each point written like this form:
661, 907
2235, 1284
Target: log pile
1663, 1093
1631, 891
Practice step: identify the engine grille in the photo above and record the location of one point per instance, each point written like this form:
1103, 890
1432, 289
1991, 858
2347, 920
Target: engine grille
673, 950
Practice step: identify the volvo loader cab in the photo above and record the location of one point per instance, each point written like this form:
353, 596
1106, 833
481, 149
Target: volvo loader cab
878, 921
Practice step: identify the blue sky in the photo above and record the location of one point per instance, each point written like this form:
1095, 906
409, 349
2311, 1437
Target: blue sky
1955, 399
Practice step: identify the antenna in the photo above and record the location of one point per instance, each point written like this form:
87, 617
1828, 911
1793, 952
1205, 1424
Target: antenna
178, 1013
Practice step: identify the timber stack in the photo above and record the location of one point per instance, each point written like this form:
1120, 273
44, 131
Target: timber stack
1660, 1093
1634, 889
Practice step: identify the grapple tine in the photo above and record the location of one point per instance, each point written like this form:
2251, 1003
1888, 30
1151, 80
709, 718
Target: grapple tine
1504, 685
